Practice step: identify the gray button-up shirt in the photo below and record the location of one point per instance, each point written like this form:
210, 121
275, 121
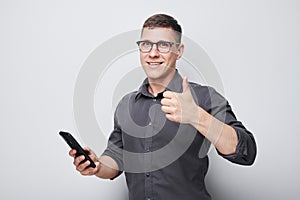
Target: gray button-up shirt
165, 160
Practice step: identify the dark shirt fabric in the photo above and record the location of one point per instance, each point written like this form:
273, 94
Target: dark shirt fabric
167, 160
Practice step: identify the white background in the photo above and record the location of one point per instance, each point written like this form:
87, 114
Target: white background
254, 45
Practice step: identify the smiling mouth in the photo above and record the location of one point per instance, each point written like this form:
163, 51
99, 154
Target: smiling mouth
154, 63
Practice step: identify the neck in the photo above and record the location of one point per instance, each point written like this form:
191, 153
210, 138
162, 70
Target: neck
159, 85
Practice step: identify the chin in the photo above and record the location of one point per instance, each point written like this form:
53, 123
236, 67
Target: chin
154, 76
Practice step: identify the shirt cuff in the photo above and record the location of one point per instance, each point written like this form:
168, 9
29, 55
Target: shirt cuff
241, 148
118, 160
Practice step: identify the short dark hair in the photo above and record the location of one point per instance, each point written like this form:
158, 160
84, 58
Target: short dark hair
163, 21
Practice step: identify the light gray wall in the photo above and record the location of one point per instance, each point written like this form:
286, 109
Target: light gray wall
254, 45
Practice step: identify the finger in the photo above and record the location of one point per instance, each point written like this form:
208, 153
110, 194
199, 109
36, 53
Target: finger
91, 171
88, 150
78, 160
168, 94
92, 155
83, 166
72, 153
185, 84
166, 102
88, 172
167, 109
171, 117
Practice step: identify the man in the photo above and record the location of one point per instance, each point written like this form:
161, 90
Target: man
169, 113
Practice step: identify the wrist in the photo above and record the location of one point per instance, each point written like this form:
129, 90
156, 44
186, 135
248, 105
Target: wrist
212, 129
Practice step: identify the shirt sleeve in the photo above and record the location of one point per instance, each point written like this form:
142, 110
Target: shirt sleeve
246, 148
115, 146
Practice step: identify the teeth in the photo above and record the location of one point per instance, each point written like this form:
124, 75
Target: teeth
154, 63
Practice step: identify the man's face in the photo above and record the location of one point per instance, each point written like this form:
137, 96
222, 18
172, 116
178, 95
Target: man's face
160, 66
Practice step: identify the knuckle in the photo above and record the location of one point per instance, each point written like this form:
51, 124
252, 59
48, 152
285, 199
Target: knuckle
175, 110
165, 109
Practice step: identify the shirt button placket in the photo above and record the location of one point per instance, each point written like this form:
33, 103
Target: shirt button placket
148, 144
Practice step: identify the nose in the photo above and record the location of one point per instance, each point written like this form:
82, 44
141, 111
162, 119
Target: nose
154, 51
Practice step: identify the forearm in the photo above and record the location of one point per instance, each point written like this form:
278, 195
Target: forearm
108, 168
218, 133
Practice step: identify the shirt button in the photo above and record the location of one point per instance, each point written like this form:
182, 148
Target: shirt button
154, 99
150, 123
147, 174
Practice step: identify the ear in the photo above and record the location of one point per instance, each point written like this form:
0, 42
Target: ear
180, 51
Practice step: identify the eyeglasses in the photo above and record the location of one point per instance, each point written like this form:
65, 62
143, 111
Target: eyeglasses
146, 46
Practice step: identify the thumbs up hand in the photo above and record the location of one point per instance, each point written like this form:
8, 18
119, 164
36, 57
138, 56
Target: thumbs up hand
180, 107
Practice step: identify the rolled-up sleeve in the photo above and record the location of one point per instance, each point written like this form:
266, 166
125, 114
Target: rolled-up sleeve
115, 145
219, 107
246, 148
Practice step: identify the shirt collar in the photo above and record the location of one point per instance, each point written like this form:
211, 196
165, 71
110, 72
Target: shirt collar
175, 85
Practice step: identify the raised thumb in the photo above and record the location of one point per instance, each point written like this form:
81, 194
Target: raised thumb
185, 84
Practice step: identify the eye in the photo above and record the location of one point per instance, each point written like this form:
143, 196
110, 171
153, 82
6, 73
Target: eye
163, 44
145, 43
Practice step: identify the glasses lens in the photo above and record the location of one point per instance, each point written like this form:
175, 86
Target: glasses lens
163, 47
145, 46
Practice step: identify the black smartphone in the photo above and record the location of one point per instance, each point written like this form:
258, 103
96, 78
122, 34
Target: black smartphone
75, 145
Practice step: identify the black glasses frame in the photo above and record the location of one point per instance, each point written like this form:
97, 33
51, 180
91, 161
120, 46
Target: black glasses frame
157, 45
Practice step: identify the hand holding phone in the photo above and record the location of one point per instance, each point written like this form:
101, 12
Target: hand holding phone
75, 145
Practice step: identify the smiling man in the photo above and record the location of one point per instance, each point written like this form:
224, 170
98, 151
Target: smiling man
159, 63
168, 111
